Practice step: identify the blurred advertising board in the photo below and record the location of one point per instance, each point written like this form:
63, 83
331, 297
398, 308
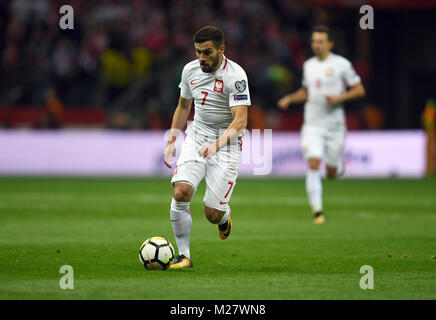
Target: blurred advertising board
139, 153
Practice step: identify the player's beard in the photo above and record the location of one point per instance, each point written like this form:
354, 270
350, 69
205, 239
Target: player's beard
321, 53
210, 68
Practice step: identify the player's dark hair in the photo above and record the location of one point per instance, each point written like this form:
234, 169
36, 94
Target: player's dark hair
209, 33
323, 29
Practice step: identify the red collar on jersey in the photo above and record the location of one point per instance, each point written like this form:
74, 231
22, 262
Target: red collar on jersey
225, 63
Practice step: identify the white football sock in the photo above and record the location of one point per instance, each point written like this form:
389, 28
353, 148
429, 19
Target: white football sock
225, 216
314, 189
340, 170
181, 221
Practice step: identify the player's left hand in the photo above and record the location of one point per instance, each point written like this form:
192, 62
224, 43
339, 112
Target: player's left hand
207, 150
334, 99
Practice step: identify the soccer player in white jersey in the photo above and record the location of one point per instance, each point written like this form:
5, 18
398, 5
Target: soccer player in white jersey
325, 78
212, 148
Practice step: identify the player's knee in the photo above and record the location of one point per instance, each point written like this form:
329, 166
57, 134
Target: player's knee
182, 193
213, 215
314, 164
331, 173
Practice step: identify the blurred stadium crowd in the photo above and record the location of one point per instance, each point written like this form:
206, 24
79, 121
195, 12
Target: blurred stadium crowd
120, 66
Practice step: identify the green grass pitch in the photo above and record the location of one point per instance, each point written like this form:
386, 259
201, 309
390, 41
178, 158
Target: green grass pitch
274, 251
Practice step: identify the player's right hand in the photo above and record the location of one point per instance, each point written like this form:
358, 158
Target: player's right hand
168, 154
284, 103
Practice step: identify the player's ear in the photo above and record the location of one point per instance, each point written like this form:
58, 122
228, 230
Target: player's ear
332, 45
221, 49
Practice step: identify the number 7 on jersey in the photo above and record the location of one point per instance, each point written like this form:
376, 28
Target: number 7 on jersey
205, 96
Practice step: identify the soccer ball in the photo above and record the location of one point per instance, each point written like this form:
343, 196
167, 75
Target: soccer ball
156, 253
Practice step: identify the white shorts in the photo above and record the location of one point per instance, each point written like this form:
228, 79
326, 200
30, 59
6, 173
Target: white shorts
327, 144
220, 173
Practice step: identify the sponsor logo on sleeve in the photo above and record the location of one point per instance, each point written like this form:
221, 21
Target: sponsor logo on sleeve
238, 97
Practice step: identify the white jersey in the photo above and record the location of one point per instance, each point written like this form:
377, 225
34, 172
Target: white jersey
327, 77
214, 94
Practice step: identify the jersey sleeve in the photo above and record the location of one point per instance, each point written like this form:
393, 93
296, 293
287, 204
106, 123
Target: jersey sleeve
239, 93
304, 79
185, 91
350, 76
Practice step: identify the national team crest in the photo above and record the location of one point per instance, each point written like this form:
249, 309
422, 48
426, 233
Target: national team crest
329, 72
219, 86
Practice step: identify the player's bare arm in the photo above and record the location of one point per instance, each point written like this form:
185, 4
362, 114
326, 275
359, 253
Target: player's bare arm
179, 120
355, 92
240, 114
298, 96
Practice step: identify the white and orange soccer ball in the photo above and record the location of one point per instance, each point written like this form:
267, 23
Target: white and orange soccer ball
156, 253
